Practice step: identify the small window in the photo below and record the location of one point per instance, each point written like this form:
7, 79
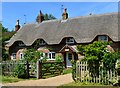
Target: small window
42, 42
21, 44
103, 38
70, 40
13, 56
21, 56
69, 56
51, 55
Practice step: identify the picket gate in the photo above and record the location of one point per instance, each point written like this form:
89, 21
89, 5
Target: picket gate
83, 74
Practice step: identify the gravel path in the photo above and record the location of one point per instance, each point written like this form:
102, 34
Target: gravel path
54, 81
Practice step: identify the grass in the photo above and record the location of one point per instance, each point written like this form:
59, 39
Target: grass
10, 79
83, 84
67, 71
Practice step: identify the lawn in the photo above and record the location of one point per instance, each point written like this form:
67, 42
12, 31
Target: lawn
10, 79
67, 70
84, 85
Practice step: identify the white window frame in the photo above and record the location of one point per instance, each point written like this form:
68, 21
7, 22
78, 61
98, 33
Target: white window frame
22, 55
42, 42
13, 57
70, 40
100, 38
51, 56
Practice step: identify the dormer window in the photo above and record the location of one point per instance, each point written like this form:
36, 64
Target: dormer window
21, 44
103, 38
70, 40
42, 42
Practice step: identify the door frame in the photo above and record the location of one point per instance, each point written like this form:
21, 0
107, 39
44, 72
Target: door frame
67, 59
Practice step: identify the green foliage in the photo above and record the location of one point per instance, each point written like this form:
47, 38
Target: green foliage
5, 35
32, 55
45, 59
20, 70
95, 53
109, 60
67, 71
79, 84
46, 17
117, 65
9, 79
98, 57
73, 69
58, 58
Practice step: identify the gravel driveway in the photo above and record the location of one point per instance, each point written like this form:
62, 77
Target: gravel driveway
54, 81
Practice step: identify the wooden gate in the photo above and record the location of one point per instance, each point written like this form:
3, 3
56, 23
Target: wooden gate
47, 69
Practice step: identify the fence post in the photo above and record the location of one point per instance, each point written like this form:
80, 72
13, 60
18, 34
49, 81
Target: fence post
27, 64
39, 69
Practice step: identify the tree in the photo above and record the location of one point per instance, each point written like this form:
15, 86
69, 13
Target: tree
32, 55
94, 53
5, 35
46, 17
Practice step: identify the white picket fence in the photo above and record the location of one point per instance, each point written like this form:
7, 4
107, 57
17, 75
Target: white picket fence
83, 75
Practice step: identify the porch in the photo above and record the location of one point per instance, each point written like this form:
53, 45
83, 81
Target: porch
69, 53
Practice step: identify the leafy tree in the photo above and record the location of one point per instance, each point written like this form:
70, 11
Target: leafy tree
109, 60
5, 35
46, 17
94, 53
32, 55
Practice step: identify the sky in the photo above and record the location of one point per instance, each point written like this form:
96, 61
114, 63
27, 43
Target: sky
11, 11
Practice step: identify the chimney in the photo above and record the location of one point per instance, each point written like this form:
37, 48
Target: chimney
65, 14
17, 26
41, 18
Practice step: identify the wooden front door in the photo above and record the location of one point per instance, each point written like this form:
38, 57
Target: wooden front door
69, 57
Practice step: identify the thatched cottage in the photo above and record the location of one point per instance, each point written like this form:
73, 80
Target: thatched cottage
60, 37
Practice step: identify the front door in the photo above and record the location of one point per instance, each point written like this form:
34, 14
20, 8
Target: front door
69, 57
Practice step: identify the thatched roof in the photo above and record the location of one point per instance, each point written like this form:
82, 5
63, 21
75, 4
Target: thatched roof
83, 29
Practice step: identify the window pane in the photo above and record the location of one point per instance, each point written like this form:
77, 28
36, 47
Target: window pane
13, 55
70, 56
102, 38
53, 55
42, 42
49, 55
69, 40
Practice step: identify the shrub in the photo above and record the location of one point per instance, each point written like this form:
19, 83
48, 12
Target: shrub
32, 55
73, 69
20, 70
58, 58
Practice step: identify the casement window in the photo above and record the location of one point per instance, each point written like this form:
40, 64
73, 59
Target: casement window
13, 57
51, 55
103, 38
70, 40
21, 55
69, 56
21, 44
42, 42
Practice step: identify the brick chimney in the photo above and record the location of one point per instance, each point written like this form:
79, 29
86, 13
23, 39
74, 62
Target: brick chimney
65, 14
40, 18
17, 26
